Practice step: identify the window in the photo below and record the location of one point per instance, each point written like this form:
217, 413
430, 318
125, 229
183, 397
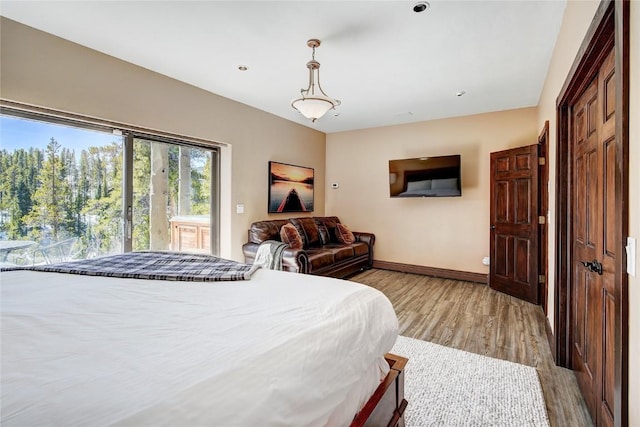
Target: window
73, 191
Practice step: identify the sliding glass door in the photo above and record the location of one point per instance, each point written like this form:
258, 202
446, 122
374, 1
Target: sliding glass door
68, 192
171, 199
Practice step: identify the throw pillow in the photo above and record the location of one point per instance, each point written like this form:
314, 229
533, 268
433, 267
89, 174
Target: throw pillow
289, 235
344, 234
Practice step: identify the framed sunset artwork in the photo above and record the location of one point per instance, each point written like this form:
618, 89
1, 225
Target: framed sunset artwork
290, 188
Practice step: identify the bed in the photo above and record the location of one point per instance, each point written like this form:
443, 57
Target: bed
278, 349
432, 188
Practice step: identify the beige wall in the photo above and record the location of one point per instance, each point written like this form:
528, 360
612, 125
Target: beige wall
40, 69
448, 232
577, 18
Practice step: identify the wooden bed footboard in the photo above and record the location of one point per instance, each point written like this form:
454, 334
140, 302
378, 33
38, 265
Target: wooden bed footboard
385, 407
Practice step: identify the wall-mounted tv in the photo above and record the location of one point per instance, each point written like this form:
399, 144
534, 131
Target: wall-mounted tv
425, 177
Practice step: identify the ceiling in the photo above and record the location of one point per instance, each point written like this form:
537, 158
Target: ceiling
387, 64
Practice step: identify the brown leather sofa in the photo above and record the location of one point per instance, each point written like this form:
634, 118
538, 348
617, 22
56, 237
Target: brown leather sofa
322, 254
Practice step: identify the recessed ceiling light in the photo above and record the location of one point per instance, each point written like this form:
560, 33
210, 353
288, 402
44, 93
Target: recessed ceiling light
462, 92
243, 67
420, 6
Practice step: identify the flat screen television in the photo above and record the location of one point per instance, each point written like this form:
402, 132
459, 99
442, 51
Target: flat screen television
425, 177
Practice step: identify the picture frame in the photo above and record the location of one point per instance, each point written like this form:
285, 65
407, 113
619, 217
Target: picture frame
290, 188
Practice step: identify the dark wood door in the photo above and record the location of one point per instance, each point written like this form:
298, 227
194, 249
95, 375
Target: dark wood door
593, 295
514, 223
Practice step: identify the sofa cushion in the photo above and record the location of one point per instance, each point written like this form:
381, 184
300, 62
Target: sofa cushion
360, 248
308, 231
344, 235
340, 252
266, 230
289, 235
319, 258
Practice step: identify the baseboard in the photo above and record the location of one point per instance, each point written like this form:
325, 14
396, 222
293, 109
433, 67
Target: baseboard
431, 271
551, 338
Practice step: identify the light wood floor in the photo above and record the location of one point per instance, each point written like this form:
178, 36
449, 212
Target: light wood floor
475, 318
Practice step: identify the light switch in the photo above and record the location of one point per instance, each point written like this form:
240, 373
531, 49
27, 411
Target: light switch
240, 208
631, 256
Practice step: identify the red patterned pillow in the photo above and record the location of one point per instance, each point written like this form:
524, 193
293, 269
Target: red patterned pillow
344, 234
289, 235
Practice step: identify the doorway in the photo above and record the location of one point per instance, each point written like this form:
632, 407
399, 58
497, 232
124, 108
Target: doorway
592, 216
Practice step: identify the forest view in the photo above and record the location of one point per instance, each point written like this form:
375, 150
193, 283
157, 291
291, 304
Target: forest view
60, 194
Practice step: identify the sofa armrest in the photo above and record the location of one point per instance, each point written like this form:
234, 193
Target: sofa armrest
295, 260
369, 239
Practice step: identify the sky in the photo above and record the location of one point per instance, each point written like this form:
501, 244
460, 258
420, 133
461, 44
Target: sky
22, 133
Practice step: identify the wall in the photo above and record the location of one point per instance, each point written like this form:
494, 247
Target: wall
40, 69
577, 18
449, 233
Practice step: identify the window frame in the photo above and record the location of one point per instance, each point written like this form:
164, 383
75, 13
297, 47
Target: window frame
129, 133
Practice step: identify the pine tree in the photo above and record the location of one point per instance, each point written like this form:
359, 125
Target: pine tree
49, 210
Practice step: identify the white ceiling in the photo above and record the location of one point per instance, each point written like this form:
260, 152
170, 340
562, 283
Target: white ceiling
387, 64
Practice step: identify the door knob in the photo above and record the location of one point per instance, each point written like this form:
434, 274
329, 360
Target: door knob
593, 266
493, 227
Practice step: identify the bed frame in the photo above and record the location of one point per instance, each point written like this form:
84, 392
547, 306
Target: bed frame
385, 407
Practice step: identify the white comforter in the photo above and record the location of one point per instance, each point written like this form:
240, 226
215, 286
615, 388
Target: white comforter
280, 349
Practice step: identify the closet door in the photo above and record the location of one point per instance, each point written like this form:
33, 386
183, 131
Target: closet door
514, 223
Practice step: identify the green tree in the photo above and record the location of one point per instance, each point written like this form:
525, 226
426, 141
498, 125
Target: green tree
51, 197
104, 211
141, 201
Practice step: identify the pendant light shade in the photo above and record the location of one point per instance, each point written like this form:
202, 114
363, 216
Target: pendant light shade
314, 102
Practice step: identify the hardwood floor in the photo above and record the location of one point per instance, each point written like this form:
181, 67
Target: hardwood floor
475, 318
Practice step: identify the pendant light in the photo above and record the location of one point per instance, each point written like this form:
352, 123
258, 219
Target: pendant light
314, 102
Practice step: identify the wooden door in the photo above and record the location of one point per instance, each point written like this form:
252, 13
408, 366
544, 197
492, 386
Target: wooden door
593, 294
514, 223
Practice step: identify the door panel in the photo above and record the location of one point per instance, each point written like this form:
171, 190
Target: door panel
522, 270
608, 374
610, 197
523, 205
593, 295
514, 222
502, 201
586, 283
500, 255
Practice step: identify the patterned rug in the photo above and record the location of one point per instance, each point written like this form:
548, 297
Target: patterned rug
449, 387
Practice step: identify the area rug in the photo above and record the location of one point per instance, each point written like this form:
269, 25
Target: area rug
449, 387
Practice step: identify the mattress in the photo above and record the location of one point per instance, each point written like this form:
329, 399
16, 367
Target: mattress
279, 349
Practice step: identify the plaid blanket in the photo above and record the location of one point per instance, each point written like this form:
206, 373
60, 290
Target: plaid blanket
154, 266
